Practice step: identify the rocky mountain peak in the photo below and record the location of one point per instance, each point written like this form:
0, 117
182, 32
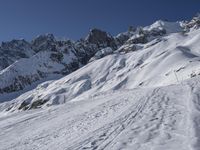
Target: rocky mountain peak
100, 38
15, 44
44, 42
45, 37
193, 24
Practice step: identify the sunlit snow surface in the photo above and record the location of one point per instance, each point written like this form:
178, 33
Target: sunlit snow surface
141, 119
148, 99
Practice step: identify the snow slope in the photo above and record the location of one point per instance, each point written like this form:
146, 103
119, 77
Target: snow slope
156, 118
161, 62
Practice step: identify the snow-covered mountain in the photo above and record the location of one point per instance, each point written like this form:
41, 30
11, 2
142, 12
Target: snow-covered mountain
137, 90
45, 57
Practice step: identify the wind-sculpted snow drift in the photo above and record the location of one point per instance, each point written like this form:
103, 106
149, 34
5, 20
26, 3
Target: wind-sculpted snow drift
138, 90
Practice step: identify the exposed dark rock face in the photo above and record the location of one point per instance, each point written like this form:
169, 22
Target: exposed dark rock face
142, 38
37, 104
69, 68
44, 42
84, 51
24, 105
101, 39
14, 50
11, 46
34, 105
120, 39
194, 23
157, 32
57, 56
128, 48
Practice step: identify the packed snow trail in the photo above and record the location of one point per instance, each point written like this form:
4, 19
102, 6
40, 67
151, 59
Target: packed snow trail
158, 121
140, 119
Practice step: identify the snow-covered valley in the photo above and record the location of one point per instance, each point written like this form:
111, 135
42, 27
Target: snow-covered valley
136, 91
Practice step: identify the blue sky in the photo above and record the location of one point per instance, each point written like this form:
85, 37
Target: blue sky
73, 18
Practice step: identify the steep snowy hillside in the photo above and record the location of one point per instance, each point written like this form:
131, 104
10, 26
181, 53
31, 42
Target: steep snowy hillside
48, 58
138, 90
164, 61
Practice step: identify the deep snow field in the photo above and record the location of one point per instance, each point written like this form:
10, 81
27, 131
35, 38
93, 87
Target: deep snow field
139, 119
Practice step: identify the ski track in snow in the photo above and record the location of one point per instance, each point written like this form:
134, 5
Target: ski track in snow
158, 118
139, 126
